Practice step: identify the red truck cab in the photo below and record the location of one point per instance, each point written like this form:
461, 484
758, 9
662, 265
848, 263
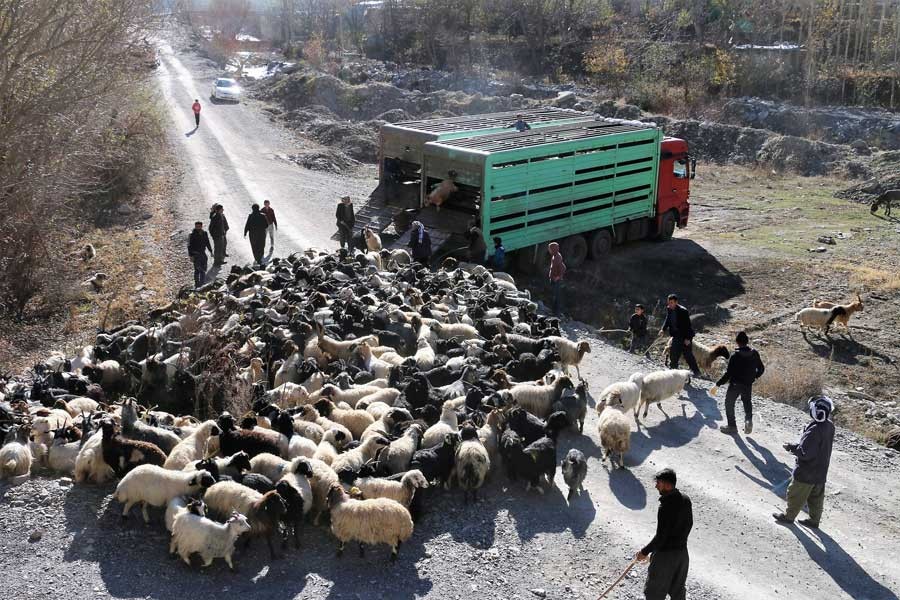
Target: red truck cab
676, 169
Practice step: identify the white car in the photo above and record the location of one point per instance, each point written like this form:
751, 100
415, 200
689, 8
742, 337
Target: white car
226, 89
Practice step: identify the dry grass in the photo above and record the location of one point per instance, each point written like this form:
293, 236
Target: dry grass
874, 279
790, 382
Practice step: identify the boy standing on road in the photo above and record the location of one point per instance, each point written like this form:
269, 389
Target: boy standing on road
196, 108
637, 324
273, 224
744, 367
198, 244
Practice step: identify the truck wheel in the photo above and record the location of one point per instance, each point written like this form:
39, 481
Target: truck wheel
667, 227
574, 250
601, 244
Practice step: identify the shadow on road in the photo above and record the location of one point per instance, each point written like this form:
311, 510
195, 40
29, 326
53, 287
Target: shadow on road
192, 131
774, 472
627, 489
840, 566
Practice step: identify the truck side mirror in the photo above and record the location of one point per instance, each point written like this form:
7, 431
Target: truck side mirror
693, 167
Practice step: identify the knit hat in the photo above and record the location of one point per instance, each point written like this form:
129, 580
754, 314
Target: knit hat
820, 407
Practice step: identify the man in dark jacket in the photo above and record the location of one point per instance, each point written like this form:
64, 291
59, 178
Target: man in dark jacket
198, 244
256, 226
667, 550
345, 220
744, 367
477, 247
218, 227
678, 323
813, 454
637, 324
420, 243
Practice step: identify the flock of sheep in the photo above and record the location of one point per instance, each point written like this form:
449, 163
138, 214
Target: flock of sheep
325, 385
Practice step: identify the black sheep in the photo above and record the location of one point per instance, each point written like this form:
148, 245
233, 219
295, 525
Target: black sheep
233, 440
436, 463
543, 451
529, 367
518, 464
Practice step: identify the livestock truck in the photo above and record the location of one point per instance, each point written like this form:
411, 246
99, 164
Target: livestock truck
586, 182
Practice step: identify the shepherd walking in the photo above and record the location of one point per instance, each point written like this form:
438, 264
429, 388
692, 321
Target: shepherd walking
256, 227
196, 108
218, 227
678, 323
272, 224
744, 367
556, 274
198, 244
667, 551
345, 221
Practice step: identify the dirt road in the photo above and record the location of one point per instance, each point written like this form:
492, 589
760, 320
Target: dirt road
236, 157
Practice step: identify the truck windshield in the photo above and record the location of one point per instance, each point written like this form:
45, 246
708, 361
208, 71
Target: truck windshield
680, 169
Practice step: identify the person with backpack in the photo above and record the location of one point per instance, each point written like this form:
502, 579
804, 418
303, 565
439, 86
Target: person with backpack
744, 367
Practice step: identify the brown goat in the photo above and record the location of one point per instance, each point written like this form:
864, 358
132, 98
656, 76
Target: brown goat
849, 309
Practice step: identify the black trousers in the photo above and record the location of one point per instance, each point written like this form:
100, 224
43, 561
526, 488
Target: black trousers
197, 119
679, 350
219, 249
346, 234
638, 342
199, 259
731, 395
667, 575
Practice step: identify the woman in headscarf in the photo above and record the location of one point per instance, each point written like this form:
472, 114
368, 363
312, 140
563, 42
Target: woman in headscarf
256, 226
420, 243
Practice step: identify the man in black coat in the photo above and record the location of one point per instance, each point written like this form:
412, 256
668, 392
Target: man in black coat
198, 244
256, 226
744, 367
678, 324
345, 221
667, 551
218, 227
420, 243
813, 454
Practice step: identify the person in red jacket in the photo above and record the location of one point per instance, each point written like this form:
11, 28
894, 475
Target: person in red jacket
273, 223
556, 274
196, 109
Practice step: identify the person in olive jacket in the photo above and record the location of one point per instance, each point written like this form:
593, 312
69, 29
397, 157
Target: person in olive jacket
813, 453
345, 221
256, 226
667, 551
198, 244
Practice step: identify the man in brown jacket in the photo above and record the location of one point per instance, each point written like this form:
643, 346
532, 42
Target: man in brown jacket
273, 223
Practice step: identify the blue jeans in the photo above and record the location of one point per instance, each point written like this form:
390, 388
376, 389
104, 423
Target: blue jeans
555, 289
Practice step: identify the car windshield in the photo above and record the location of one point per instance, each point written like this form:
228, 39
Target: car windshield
225, 83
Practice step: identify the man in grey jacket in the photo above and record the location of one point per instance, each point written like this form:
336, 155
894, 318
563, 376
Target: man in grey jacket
813, 454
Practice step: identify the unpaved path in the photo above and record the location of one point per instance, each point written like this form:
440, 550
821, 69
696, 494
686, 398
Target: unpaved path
237, 157
511, 544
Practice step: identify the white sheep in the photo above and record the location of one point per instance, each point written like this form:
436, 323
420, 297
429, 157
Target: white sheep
373, 240
264, 511
445, 331
659, 385
386, 395
448, 423
570, 353
539, 399
175, 507
385, 425
301, 446
376, 521
424, 355
332, 441
377, 408
273, 467
400, 491
62, 454
350, 396
353, 460
149, 485
323, 478
15, 456
193, 447
615, 433
353, 419
192, 533
622, 395
819, 318
288, 394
